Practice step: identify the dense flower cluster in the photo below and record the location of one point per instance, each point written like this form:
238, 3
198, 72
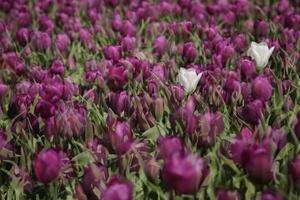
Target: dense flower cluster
147, 99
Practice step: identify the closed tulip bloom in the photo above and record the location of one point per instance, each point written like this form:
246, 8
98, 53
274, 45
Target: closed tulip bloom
189, 79
23, 36
159, 45
112, 53
118, 101
128, 29
189, 52
62, 42
262, 28
152, 169
260, 164
169, 145
118, 189
117, 77
253, 112
47, 165
227, 195
270, 195
186, 174
294, 170
261, 88
185, 118
261, 53
41, 41
247, 68
120, 136
57, 67
128, 43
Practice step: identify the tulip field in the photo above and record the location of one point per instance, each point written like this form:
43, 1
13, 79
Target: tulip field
149, 99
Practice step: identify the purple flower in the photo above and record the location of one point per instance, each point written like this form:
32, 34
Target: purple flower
23, 36
47, 165
261, 88
128, 43
41, 41
294, 169
270, 195
253, 112
169, 145
223, 194
186, 174
112, 53
100, 153
152, 169
185, 118
189, 52
117, 77
239, 42
118, 189
128, 29
261, 28
46, 24
62, 42
118, 101
57, 67
93, 178
159, 45
247, 68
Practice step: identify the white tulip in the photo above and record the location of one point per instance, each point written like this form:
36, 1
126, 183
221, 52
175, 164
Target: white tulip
261, 53
189, 79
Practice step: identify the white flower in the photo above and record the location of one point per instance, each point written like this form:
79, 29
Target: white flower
261, 53
189, 79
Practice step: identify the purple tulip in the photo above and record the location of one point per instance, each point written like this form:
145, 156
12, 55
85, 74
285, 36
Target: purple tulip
270, 195
46, 109
47, 165
158, 107
57, 67
112, 53
128, 43
262, 28
117, 77
100, 153
210, 125
169, 145
159, 45
118, 101
239, 42
128, 29
62, 42
186, 174
41, 41
261, 88
23, 36
152, 169
52, 89
189, 52
118, 189
253, 112
294, 169
46, 24
93, 178
185, 118
223, 194
247, 68
112, 3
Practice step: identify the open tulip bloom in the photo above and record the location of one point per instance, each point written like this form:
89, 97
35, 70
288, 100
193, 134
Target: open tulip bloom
148, 99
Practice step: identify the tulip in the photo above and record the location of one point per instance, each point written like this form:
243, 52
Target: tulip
261, 88
46, 24
117, 77
185, 175
112, 53
41, 41
128, 29
159, 45
239, 42
23, 36
118, 102
152, 169
294, 170
94, 178
270, 195
118, 189
253, 112
128, 43
158, 107
189, 79
189, 52
62, 42
100, 153
57, 67
47, 165
227, 195
261, 28
247, 68
169, 145
185, 118
261, 53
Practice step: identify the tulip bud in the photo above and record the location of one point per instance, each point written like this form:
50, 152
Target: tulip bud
261, 88
128, 29
112, 53
57, 67
184, 174
262, 28
189, 52
270, 195
117, 77
47, 165
152, 169
158, 108
167, 146
118, 189
23, 36
239, 42
62, 42
185, 118
128, 43
227, 195
41, 41
118, 102
247, 68
253, 112
159, 45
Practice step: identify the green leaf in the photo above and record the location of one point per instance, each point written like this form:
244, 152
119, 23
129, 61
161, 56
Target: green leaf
83, 158
250, 189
